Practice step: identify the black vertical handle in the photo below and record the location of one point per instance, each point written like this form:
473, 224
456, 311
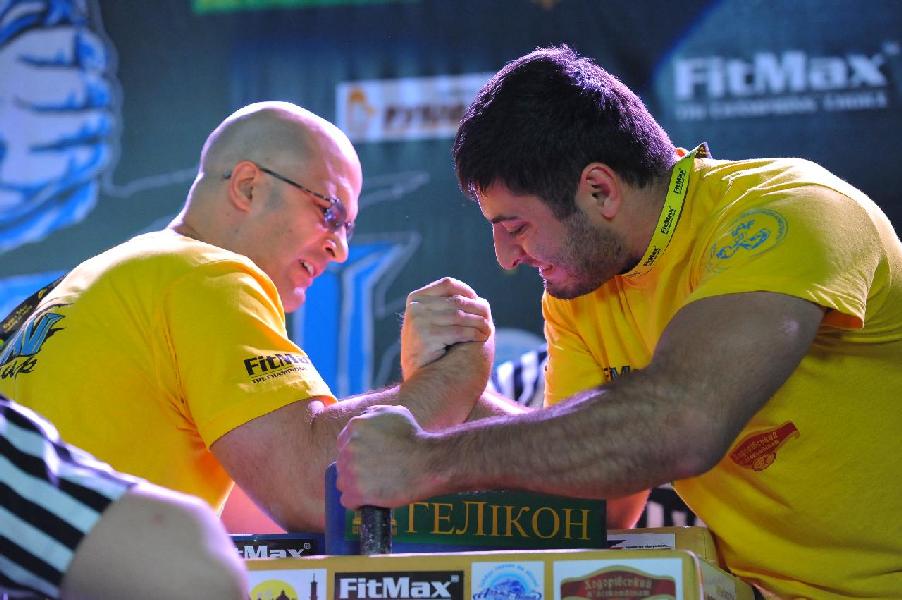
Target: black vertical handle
375, 530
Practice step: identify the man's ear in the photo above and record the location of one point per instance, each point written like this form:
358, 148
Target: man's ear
241, 185
599, 191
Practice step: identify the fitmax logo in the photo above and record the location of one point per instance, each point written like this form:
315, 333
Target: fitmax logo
248, 552
397, 586
769, 73
261, 364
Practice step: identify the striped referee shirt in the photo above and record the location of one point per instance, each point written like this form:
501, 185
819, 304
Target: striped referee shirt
522, 379
51, 495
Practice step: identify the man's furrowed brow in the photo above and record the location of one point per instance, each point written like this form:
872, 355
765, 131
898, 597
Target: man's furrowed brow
502, 218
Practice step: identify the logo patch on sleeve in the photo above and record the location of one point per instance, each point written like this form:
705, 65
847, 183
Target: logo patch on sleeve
263, 368
19, 355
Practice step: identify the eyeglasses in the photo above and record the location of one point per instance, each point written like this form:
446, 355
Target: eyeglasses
334, 216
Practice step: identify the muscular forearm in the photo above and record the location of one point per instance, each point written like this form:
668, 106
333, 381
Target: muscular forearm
675, 418
609, 442
445, 392
605, 444
437, 395
440, 393
285, 476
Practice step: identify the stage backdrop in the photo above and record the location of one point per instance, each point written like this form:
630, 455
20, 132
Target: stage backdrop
104, 107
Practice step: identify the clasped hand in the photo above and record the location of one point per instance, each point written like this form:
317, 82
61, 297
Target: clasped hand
439, 315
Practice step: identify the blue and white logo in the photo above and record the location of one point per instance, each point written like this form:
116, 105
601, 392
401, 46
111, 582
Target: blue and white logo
752, 233
508, 581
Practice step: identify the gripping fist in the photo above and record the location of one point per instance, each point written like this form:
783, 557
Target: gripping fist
439, 315
379, 459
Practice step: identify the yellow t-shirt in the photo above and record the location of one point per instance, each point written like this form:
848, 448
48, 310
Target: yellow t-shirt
148, 353
808, 500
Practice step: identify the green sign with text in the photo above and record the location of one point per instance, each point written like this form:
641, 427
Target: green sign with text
497, 520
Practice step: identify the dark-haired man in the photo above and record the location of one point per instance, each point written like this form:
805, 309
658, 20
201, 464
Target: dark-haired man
734, 327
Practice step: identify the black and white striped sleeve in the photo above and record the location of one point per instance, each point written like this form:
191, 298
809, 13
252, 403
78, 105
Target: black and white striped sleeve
51, 495
522, 379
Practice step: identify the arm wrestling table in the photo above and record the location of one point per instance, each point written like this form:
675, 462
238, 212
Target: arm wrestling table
490, 546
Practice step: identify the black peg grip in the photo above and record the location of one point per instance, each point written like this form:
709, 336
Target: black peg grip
375, 530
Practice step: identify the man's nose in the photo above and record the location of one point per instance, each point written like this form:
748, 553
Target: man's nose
507, 251
336, 246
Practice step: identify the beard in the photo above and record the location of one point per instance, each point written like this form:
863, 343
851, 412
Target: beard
589, 257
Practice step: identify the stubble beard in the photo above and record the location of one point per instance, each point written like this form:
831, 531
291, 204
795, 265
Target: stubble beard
590, 256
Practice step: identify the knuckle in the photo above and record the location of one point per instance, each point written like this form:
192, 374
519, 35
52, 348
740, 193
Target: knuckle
444, 283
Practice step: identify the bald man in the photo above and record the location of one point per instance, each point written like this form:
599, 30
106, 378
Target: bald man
168, 357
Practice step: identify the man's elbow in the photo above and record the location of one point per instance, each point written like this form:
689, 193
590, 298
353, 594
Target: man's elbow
696, 448
305, 513
691, 462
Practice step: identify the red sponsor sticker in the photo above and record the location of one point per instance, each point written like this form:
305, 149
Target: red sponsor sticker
759, 450
618, 582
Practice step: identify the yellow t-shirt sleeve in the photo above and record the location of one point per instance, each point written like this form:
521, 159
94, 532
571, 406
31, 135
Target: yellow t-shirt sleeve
809, 242
571, 367
226, 330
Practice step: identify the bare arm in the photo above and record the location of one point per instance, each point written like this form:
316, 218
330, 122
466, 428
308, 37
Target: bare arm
717, 363
621, 513
242, 515
432, 329
153, 543
493, 404
280, 459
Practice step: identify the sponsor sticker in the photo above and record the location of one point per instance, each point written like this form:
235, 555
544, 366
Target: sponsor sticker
508, 581
399, 585
642, 541
718, 585
618, 582
659, 578
263, 546
287, 584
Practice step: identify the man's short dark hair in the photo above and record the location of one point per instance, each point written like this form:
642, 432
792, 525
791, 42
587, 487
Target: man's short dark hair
545, 116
